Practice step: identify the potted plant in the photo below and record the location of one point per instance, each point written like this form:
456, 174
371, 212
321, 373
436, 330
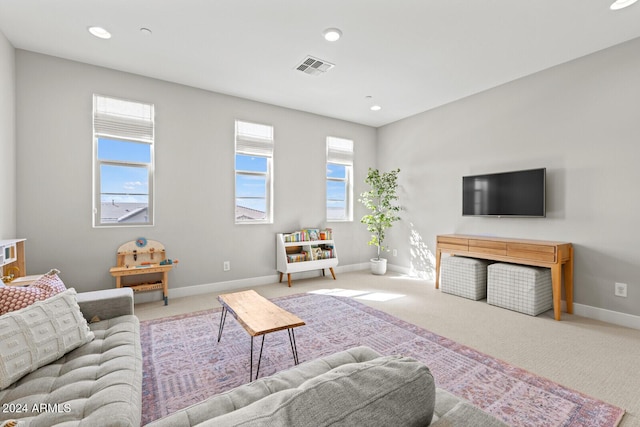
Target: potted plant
380, 201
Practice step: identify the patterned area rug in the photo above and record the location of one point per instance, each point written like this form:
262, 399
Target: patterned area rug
183, 363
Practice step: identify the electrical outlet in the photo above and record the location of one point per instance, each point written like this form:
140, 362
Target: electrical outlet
620, 289
226, 266
395, 252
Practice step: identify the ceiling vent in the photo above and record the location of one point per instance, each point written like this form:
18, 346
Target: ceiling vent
314, 66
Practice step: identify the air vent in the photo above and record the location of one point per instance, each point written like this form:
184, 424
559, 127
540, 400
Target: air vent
314, 66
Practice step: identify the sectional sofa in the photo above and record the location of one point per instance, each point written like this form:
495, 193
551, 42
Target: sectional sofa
72, 360
75, 360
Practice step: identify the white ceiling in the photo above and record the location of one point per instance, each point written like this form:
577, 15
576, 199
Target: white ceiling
408, 55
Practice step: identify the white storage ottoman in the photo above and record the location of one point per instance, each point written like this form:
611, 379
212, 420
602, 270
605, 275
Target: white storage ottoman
520, 288
464, 277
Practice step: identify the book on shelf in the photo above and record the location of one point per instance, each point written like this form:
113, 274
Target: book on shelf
316, 254
299, 257
327, 253
308, 235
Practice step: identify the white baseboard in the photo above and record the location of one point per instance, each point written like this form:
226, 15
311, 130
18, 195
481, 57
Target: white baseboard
595, 313
609, 316
400, 269
232, 285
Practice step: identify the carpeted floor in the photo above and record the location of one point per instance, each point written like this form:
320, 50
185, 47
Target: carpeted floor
183, 364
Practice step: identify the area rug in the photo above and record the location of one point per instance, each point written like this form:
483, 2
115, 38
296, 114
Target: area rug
184, 364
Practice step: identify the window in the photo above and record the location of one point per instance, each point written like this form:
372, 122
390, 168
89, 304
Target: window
123, 134
339, 179
254, 166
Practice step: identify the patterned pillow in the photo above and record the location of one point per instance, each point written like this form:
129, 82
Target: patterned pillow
16, 297
50, 281
39, 334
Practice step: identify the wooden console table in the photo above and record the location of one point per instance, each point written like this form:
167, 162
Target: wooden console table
558, 256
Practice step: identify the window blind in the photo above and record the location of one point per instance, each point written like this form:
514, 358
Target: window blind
254, 139
117, 118
339, 151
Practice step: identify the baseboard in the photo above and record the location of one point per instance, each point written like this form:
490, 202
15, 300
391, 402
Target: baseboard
595, 313
609, 316
232, 285
399, 269
604, 315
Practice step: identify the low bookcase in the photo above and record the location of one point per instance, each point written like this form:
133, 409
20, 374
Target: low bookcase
305, 250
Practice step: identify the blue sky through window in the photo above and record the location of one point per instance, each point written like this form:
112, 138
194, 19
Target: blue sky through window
126, 151
251, 163
124, 183
336, 171
251, 190
336, 191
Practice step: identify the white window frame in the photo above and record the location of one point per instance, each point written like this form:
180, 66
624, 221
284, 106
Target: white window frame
127, 121
257, 140
340, 152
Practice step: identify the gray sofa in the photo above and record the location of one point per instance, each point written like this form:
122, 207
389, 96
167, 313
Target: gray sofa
96, 384
100, 384
350, 388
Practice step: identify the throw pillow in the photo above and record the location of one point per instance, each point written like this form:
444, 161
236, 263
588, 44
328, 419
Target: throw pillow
51, 281
387, 391
16, 297
39, 334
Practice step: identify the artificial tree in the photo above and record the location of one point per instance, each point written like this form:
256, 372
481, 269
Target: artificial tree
381, 201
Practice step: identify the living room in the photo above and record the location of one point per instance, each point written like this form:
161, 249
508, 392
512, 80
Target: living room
576, 118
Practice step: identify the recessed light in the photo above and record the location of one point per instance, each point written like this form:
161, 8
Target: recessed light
332, 34
621, 4
100, 32
145, 31
376, 108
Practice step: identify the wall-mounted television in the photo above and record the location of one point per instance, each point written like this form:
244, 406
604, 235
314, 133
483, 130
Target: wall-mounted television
508, 194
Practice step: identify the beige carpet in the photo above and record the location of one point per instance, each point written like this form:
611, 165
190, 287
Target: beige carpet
596, 358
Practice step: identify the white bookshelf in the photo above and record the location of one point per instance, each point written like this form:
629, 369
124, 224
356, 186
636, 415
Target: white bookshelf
307, 256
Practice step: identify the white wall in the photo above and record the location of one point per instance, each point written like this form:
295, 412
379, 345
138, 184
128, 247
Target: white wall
581, 121
7, 140
194, 176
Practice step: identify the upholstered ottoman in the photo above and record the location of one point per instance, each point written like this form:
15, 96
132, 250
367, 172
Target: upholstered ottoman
464, 277
520, 288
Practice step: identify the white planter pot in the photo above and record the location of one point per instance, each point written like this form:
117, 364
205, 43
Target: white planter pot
378, 266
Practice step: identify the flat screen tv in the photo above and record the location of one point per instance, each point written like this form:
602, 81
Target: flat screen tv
506, 194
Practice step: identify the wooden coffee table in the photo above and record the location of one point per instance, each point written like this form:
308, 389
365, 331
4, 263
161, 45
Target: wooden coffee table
258, 316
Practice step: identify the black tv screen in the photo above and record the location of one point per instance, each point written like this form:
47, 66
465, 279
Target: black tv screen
517, 193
